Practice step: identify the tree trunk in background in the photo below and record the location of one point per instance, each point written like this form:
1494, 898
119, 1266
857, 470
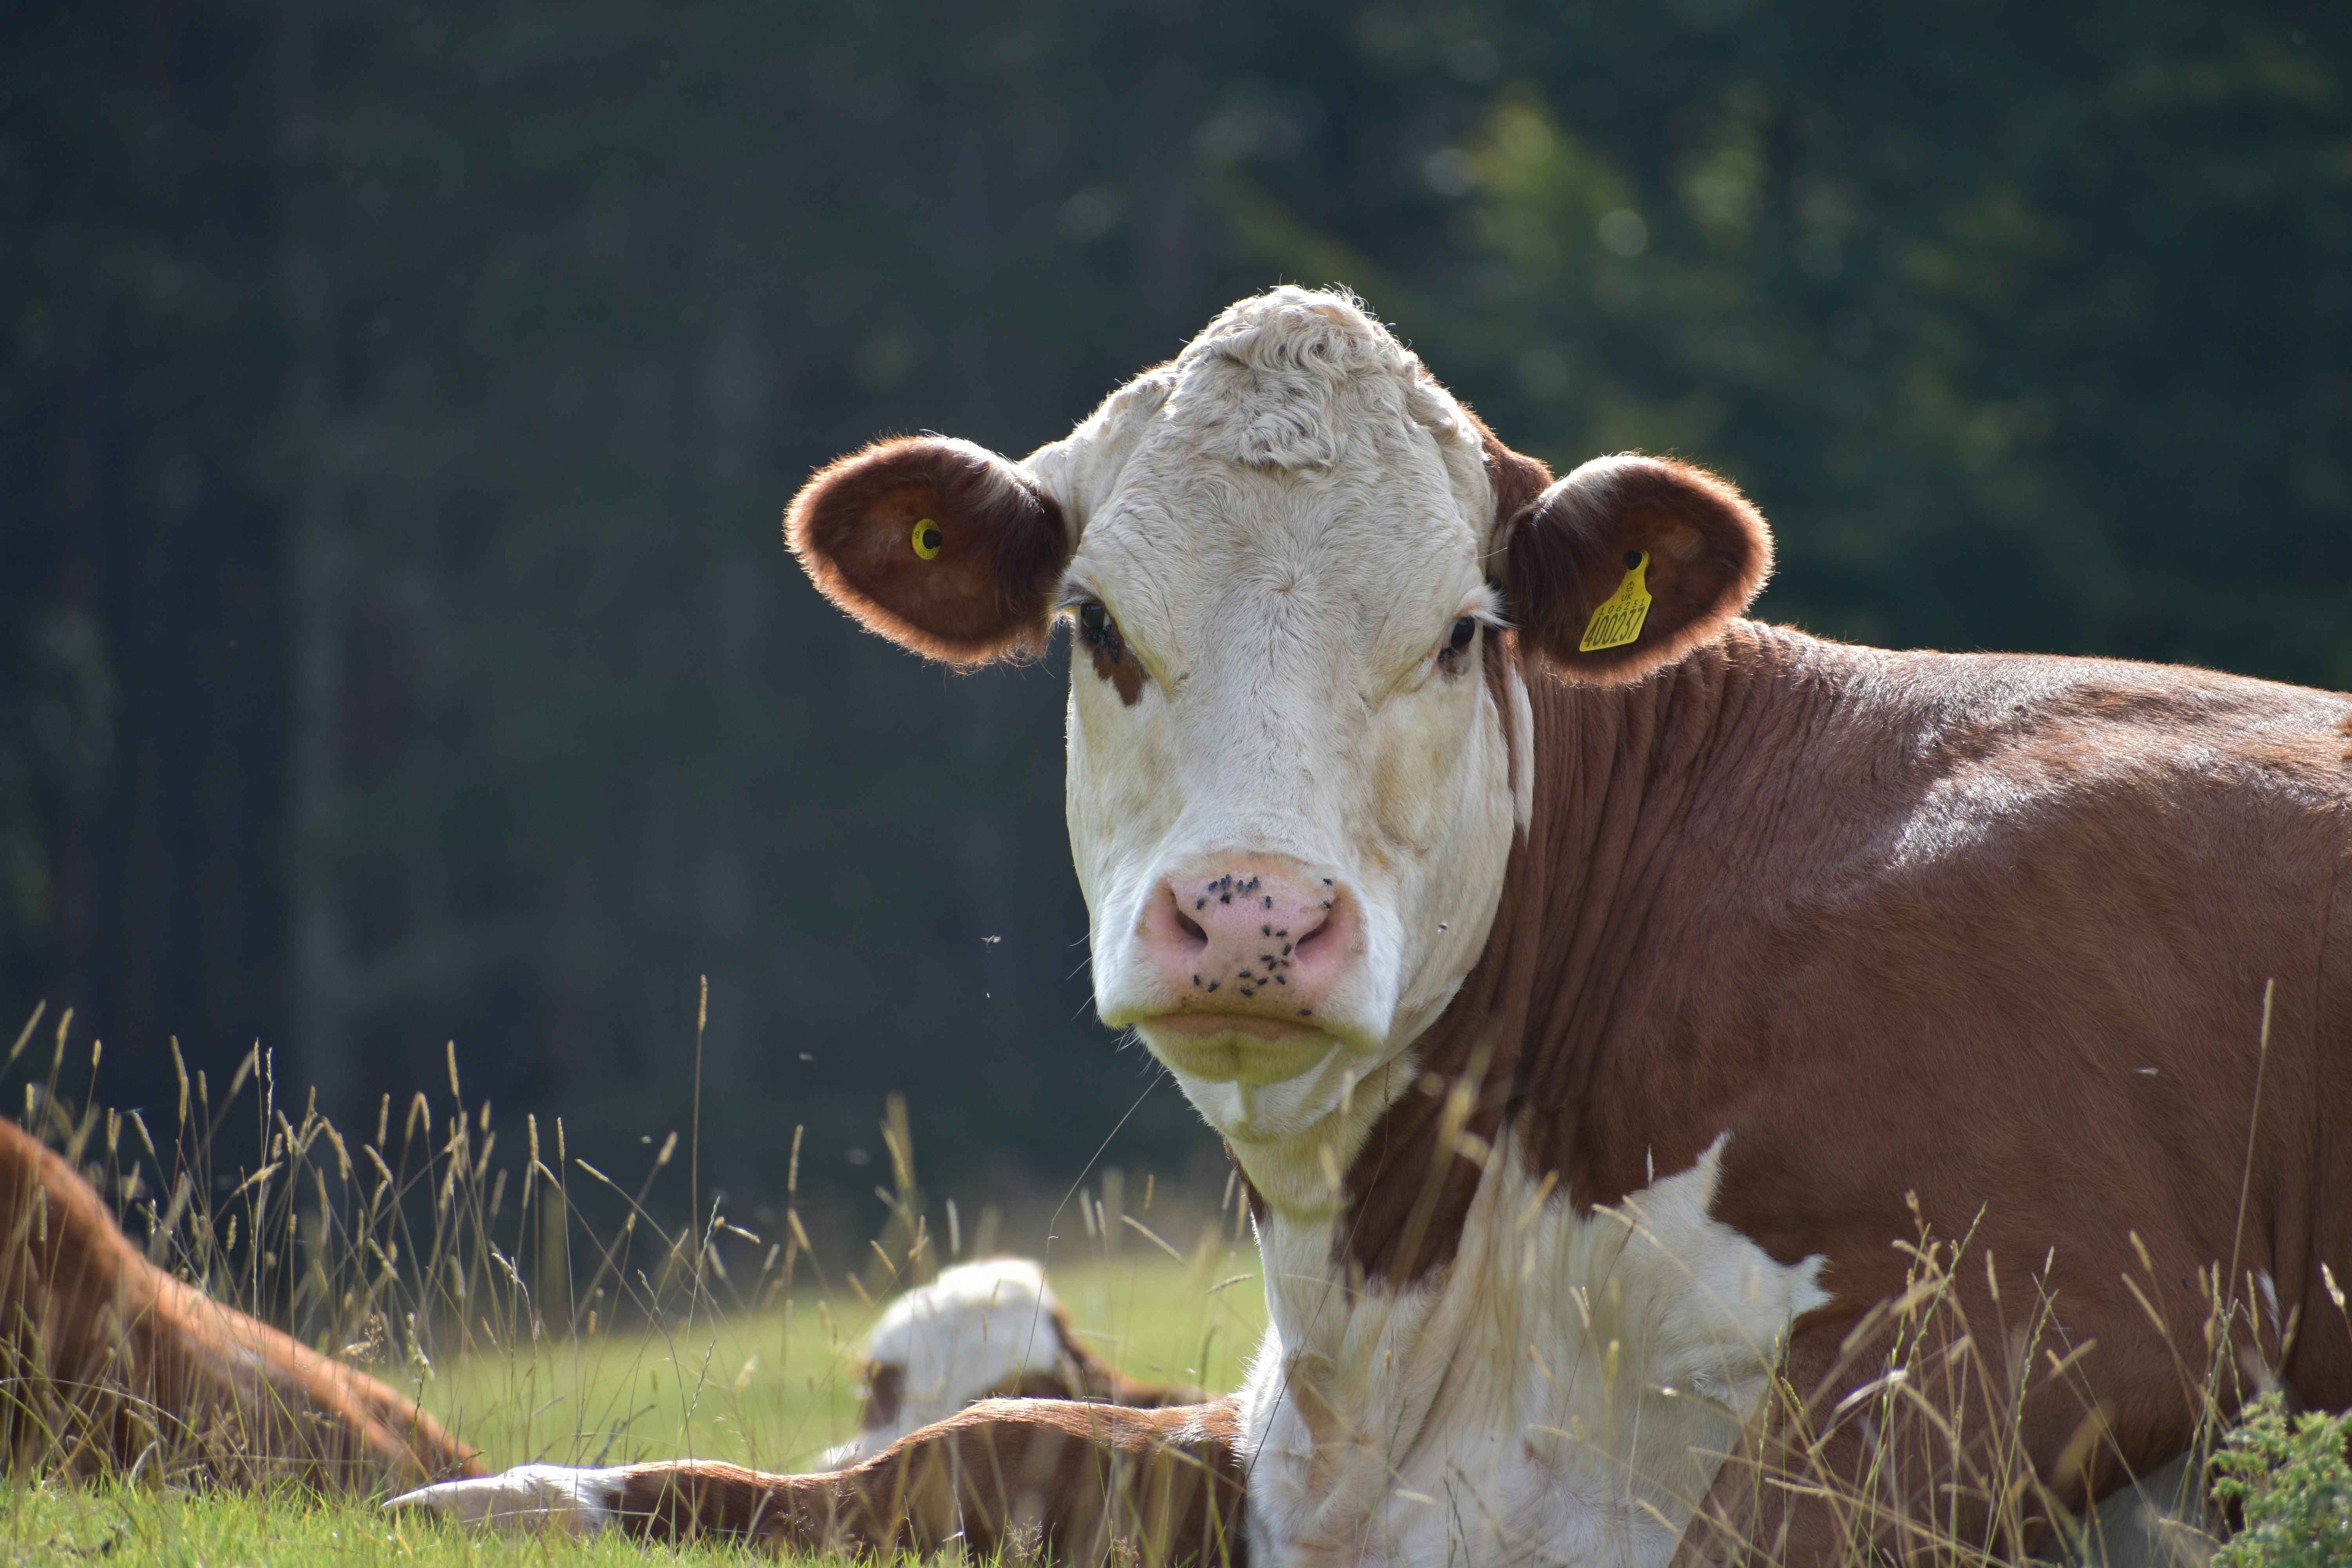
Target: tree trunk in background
142, 712
74, 628
1173, 263
317, 584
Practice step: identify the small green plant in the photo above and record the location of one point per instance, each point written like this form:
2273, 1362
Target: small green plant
2290, 1479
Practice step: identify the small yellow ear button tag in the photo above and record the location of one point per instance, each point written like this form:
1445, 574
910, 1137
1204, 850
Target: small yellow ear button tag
927, 538
1618, 619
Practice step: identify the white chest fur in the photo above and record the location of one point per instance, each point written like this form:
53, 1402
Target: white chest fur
1562, 1393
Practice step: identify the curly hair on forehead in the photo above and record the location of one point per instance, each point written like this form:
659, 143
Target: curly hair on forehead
1295, 378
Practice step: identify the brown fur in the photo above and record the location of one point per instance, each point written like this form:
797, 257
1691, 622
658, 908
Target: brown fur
886, 1393
1033, 1475
986, 596
1114, 661
1708, 928
108, 1364
1096, 1384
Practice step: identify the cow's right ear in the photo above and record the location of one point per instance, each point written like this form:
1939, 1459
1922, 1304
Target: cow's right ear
940, 545
1629, 563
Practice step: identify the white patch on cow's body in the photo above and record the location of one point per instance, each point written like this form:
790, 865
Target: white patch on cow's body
529, 1499
1523, 1404
1285, 522
976, 1330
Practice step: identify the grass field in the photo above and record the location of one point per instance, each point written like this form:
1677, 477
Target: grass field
478, 1288
774, 1390
474, 1284
770, 1389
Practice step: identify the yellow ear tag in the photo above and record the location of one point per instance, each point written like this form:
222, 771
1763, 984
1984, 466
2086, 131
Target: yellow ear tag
927, 538
1618, 619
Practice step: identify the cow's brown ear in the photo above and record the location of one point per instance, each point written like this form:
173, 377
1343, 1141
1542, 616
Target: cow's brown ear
1701, 550
940, 545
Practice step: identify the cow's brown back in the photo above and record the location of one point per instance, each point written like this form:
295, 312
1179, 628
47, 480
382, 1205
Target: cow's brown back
108, 1363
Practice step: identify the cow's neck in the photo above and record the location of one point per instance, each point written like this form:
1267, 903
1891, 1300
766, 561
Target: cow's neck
1464, 1279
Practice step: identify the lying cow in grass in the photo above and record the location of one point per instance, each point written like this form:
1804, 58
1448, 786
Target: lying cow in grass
108, 1364
990, 1330
111, 1365
1599, 993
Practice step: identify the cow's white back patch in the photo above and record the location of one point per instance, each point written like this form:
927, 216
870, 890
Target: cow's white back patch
1562, 1393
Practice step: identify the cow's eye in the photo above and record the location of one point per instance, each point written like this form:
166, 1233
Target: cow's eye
1453, 656
1099, 633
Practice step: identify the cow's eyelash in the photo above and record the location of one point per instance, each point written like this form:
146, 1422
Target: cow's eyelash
1088, 613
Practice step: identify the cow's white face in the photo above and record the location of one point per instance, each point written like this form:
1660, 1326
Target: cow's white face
1280, 606
1284, 557
978, 1332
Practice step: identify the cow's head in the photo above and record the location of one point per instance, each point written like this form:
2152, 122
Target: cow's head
1284, 557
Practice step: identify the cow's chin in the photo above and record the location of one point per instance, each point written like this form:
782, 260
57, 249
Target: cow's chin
1235, 1047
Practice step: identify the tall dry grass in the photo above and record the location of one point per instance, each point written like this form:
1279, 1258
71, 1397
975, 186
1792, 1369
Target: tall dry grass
450, 1256
1923, 1456
540, 1307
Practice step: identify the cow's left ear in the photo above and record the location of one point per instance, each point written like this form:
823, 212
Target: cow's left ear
1614, 530
940, 545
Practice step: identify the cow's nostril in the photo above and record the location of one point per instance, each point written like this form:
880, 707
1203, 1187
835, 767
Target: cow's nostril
1193, 934
1322, 929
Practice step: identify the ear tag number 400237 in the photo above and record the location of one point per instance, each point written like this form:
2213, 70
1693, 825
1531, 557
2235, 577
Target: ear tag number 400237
927, 539
1618, 619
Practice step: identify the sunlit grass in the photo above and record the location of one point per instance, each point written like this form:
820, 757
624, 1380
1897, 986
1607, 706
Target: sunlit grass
459, 1268
772, 1389
112, 1522
467, 1277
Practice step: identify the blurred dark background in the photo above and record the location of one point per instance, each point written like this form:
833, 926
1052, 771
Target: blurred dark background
397, 403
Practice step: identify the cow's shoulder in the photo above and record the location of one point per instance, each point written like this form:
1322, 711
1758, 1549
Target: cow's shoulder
1877, 738
1996, 705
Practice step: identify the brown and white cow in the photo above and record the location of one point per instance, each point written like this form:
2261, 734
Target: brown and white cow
1597, 1018
108, 1364
988, 1330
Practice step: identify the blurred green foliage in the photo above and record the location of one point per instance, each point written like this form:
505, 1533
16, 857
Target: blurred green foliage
397, 402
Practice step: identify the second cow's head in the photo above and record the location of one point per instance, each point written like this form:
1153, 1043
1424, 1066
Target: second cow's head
1284, 557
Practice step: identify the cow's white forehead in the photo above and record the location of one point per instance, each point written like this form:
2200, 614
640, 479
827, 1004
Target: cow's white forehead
1293, 414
